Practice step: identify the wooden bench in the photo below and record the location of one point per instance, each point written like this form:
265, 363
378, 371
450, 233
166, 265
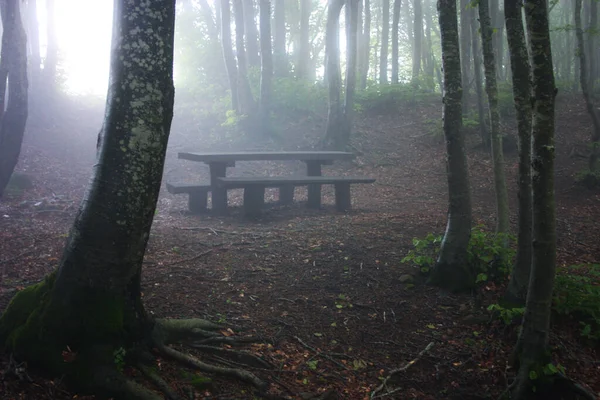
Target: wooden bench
197, 200
254, 189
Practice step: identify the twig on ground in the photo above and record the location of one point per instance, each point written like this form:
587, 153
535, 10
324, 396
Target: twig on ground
398, 370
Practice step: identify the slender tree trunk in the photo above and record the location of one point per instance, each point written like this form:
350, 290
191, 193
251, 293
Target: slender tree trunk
13, 74
465, 56
483, 129
33, 34
251, 34
491, 86
51, 59
452, 270
266, 70
395, 27
576, 66
279, 53
351, 57
303, 62
335, 115
246, 100
532, 345
207, 13
427, 53
592, 40
584, 79
417, 40
516, 293
385, 34
366, 51
228, 56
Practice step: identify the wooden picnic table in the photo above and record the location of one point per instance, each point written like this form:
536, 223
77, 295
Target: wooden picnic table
218, 163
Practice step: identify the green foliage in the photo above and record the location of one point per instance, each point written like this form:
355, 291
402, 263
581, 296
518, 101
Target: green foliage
485, 248
119, 357
506, 102
577, 293
588, 179
292, 96
507, 315
389, 99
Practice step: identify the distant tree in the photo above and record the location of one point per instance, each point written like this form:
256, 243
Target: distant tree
476, 51
245, 98
33, 34
465, 54
251, 33
491, 87
385, 34
280, 61
586, 85
266, 70
417, 40
428, 60
228, 55
395, 27
516, 292
592, 45
365, 46
303, 61
13, 75
51, 59
86, 320
351, 65
452, 270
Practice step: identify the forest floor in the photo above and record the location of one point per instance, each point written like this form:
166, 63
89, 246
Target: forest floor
326, 292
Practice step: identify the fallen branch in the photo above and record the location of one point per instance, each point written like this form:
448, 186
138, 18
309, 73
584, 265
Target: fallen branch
398, 370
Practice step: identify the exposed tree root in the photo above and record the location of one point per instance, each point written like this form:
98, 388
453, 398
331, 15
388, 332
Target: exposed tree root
241, 357
159, 382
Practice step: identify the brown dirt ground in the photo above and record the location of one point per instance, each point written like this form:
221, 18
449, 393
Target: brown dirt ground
321, 289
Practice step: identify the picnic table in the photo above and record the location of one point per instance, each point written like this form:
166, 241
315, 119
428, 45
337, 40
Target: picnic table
220, 183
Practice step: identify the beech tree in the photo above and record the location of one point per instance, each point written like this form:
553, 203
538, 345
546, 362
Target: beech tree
335, 112
417, 40
483, 130
279, 53
13, 74
303, 61
465, 53
51, 59
230, 64
266, 68
491, 87
365, 46
452, 270
385, 34
395, 27
251, 33
246, 102
74, 322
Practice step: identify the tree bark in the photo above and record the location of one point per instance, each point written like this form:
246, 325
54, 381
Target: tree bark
395, 27
251, 34
586, 86
452, 270
91, 307
245, 98
516, 292
351, 58
266, 70
228, 56
417, 40
33, 34
532, 345
483, 129
303, 62
385, 33
491, 86
280, 62
366, 47
13, 74
465, 54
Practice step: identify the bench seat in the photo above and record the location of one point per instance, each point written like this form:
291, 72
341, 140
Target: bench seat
254, 189
197, 200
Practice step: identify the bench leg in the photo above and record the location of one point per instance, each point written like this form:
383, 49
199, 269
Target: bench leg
197, 202
286, 194
219, 195
342, 196
314, 190
254, 199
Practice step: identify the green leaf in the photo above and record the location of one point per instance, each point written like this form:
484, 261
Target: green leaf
312, 364
533, 375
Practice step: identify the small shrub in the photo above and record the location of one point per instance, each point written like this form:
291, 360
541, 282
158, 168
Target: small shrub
507, 315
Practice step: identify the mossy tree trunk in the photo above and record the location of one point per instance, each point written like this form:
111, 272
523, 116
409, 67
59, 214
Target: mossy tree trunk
516, 292
465, 54
13, 74
385, 37
491, 87
91, 307
585, 82
266, 68
452, 270
532, 346
395, 27
227, 47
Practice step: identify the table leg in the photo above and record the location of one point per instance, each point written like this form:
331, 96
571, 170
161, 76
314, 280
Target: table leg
219, 195
313, 168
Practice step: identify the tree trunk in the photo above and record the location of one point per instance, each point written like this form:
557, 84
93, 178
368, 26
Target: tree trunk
491, 86
483, 130
335, 115
246, 100
418, 41
497, 37
251, 34
351, 57
532, 346
586, 85
33, 34
385, 33
465, 56
303, 62
592, 40
395, 27
51, 59
516, 292
366, 50
13, 74
266, 70
576, 66
279, 54
207, 13
452, 270
228, 56
91, 307
429, 67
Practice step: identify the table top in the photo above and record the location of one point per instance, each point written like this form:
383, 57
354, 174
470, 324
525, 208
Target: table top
267, 156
